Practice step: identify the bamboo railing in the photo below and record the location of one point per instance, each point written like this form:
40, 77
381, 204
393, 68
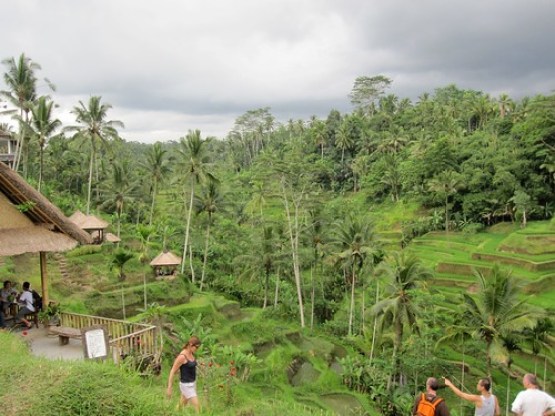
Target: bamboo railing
125, 338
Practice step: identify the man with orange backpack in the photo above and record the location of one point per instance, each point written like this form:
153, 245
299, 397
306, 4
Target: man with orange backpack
429, 404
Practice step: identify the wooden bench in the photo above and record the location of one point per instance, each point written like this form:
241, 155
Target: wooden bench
65, 333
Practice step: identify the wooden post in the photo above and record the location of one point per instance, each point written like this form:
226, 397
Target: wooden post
44, 279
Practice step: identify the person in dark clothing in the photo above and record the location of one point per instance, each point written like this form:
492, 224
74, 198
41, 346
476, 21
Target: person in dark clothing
186, 364
431, 399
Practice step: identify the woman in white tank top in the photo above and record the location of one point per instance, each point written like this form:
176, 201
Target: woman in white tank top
486, 403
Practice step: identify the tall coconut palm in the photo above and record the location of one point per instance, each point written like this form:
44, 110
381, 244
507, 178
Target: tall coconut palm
209, 202
444, 185
263, 260
119, 190
94, 128
22, 84
193, 165
343, 139
355, 243
497, 311
402, 274
119, 259
318, 132
540, 338
43, 127
157, 166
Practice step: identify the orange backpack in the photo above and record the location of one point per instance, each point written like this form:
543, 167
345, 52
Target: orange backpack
426, 408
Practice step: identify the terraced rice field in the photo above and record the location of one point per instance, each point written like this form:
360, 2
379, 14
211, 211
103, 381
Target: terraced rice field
529, 253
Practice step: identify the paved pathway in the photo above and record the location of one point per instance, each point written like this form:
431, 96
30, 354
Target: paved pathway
44, 345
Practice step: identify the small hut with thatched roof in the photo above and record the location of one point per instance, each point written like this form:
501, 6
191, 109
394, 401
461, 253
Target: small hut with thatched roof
112, 238
91, 224
165, 264
30, 223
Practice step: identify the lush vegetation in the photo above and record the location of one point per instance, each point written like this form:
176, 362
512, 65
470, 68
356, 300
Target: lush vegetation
367, 250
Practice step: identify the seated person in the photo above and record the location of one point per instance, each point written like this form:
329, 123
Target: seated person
26, 307
7, 296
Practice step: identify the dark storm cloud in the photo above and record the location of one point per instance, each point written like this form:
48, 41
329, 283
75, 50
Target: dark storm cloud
170, 66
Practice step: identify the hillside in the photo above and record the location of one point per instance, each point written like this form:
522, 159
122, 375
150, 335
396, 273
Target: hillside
279, 365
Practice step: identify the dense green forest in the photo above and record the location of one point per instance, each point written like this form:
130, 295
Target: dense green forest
413, 234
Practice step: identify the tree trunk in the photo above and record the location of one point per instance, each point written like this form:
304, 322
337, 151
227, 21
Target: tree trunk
205, 259
191, 263
89, 188
186, 244
154, 191
276, 293
293, 237
397, 347
446, 214
123, 303
352, 307
41, 165
144, 291
375, 325
312, 299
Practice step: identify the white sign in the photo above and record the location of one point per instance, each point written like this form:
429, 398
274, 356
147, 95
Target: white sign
96, 343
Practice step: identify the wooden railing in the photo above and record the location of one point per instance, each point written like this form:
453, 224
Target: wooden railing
126, 338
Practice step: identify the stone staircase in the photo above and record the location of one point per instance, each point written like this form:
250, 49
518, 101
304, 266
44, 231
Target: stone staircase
62, 265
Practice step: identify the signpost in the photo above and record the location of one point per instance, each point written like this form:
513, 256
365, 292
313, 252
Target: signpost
95, 342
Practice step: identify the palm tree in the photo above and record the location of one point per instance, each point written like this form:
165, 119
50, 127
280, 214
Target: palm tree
210, 201
22, 83
318, 132
94, 128
43, 127
194, 166
402, 275
120, 257
458, 334
158, 168
539, 338
119, 190
444, 185
263, 260
343, 139
497, 311
355, 243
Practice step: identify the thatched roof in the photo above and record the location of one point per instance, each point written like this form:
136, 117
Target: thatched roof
77, 217
30, 223
88, 222
112, 238
166, 258
93, 223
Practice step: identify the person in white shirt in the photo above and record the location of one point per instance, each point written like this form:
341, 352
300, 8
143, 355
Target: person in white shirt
25, 305
533, 401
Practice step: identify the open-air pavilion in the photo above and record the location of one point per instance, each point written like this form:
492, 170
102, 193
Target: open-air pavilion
30, 223
165, 264
91, 224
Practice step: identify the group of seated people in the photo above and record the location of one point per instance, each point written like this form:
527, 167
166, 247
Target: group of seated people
22, 303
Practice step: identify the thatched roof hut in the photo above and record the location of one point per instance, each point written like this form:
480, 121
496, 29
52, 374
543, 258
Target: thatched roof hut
77, 217
166, 258
165, 263
25, 211
112, 238
30, 223
93, 225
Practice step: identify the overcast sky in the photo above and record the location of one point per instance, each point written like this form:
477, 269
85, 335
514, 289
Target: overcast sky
167, 66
